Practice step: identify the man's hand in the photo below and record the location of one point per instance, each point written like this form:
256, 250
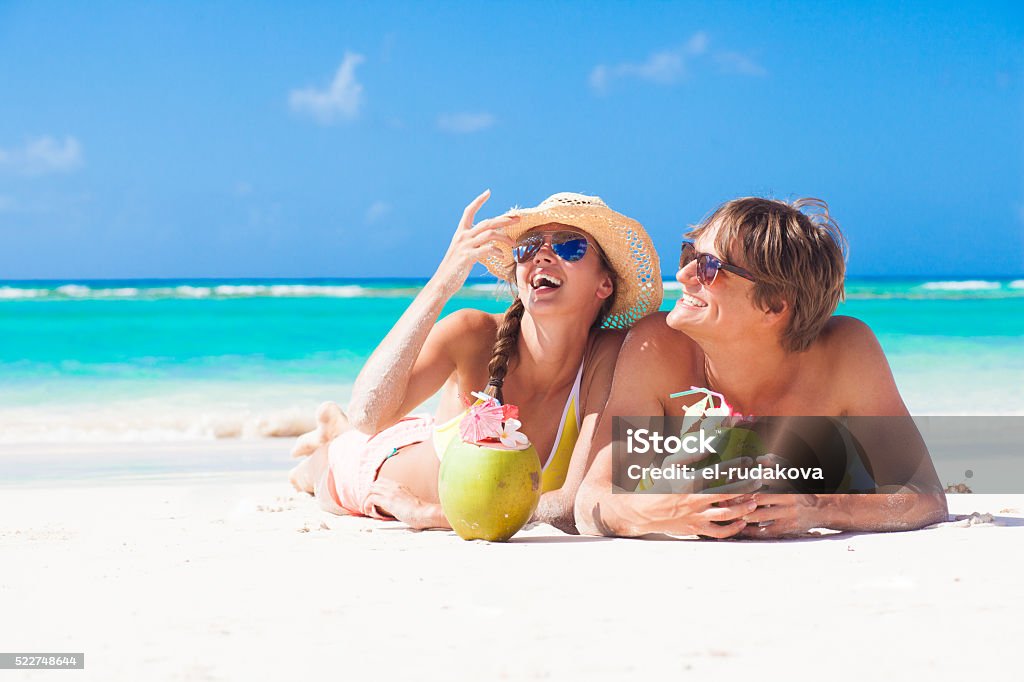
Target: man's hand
695, 481
713, 515
781, 515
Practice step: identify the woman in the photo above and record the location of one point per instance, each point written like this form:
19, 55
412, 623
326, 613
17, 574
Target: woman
579, 272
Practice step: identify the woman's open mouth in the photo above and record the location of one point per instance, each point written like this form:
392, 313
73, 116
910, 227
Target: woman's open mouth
543, 282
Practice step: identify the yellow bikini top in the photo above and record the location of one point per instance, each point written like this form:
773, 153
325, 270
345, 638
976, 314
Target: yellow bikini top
556, 467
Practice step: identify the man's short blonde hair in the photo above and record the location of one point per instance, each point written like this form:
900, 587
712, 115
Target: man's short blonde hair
796, 253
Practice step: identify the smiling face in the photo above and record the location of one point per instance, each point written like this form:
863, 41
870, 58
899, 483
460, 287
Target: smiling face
723, 309
549, 285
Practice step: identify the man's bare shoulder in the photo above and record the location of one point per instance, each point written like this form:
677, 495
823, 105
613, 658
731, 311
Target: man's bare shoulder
860, 372
654, 361
658, 355
847, 340
653, 335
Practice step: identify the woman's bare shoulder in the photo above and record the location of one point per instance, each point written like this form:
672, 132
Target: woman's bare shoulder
606, 342
471, 331
602, 351
473, 321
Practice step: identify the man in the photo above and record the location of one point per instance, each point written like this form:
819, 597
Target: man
754, 322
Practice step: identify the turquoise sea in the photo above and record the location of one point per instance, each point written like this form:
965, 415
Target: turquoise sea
141, 360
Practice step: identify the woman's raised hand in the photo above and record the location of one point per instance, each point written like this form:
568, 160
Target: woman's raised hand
472, 242
408, 367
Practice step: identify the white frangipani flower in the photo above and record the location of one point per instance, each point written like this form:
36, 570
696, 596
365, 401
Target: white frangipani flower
510, 435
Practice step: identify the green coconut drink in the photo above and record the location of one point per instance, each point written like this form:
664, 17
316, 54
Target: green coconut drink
489, 482
731, 442
488, 493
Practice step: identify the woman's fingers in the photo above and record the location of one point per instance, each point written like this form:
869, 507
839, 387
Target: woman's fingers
487, 237
470, 213
484, 251
493, 224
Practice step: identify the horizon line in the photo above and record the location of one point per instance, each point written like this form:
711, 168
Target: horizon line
475, 279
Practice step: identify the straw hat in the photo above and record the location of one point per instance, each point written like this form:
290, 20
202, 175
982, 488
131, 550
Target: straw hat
624, 241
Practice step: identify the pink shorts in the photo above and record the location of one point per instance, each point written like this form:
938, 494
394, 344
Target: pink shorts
354, 459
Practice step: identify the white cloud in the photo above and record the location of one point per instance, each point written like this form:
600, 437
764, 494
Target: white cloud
672, 65
377, 210
664, 67
340, 100
661, 67
736, 62
698, 43
465, 122
42, 155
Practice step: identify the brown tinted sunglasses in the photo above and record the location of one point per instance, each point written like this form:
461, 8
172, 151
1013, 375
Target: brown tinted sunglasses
708, 265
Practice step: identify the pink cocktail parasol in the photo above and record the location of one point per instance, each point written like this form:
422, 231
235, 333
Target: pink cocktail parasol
482, 421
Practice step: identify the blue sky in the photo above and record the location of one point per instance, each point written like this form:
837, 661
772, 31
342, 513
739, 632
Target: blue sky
256, 139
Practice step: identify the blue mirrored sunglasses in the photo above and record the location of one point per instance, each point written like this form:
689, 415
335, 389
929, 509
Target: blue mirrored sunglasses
569, 246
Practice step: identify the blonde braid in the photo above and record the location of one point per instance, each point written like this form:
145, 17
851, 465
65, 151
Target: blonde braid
505, 345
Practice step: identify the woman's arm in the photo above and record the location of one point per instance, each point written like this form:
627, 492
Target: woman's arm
416, 356
397, 500
556, 506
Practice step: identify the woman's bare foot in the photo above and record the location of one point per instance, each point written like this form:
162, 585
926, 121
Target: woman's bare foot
331, 422
305, 474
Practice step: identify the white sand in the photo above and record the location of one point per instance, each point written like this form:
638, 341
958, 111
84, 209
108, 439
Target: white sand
235, 577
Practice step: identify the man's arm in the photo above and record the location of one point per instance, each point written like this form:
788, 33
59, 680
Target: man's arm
896, 452
903, 465
643, 377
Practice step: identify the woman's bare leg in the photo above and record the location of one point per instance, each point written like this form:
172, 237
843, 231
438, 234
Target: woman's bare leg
305, 475
331, 423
